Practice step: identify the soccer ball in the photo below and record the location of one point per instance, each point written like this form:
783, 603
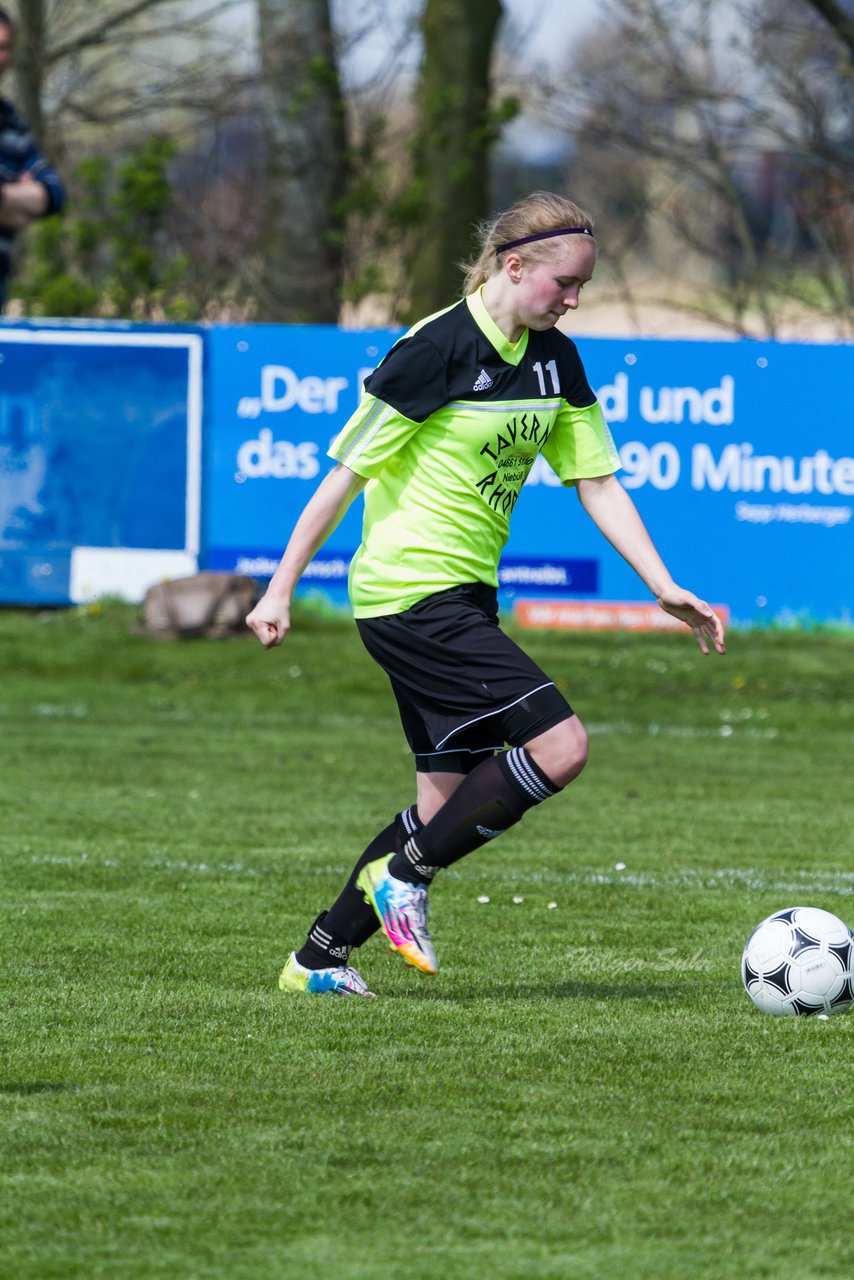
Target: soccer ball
800, 961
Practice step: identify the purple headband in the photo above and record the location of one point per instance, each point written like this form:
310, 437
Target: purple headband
546, 235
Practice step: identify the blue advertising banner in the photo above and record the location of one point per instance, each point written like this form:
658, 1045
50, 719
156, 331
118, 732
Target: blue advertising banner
738, 454
276, 398
100, 459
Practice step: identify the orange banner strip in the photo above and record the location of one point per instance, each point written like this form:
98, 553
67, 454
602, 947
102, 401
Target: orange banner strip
599, 615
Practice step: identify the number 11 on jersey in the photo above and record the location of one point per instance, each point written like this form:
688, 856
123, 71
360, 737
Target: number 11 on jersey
551, 368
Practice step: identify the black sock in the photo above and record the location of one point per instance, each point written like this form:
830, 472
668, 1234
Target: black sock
493, 797
350, 921
323, 949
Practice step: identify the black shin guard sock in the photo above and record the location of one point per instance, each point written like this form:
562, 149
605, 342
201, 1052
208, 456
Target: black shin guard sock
350, 918
323, 949
493, 797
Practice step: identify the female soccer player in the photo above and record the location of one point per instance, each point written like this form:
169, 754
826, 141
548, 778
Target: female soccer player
446, 432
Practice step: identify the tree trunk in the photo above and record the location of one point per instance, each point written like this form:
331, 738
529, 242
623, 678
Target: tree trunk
30, 66
455, 135
305, 136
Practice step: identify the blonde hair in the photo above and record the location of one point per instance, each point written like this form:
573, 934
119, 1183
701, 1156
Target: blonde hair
541, 211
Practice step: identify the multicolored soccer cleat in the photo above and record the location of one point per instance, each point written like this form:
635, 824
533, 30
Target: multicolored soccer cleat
402, 911
340, 981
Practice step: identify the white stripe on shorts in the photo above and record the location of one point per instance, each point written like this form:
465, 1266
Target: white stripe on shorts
486, 715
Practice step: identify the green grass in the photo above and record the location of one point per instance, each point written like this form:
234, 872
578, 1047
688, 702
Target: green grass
583, 1092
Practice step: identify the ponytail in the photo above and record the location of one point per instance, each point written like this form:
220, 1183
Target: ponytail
534, 215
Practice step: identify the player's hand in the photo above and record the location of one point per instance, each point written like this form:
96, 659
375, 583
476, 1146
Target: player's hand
700, 617
270, 620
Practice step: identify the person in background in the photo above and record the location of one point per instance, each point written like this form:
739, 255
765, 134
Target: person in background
29, 187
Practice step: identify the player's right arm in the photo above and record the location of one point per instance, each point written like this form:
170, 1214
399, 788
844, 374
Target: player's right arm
271, 618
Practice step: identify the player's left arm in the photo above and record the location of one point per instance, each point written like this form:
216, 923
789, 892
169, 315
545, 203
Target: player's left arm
613, 512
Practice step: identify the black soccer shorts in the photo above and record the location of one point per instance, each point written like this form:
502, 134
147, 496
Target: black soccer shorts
464, 689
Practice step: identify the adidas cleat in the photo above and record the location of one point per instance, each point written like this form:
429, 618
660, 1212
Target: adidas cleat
402, 911
340, 981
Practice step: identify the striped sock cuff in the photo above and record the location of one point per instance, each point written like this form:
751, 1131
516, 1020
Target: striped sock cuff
415, 858
411, 821
328, 944
527, 776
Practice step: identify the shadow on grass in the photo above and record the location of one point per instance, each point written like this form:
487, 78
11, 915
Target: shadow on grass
23, 1088
571, 990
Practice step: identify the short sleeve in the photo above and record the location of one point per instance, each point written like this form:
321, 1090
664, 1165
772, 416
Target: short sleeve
412, 379
371, 437
580, 445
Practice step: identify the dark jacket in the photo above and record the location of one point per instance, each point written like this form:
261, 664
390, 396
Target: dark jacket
18, 154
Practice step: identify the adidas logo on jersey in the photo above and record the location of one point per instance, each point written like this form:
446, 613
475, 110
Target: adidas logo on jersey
483, 383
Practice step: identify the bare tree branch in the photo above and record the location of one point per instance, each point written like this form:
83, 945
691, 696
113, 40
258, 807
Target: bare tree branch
96, 34
838, 20
724, 144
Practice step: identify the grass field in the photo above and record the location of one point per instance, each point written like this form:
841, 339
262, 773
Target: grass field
584, 1091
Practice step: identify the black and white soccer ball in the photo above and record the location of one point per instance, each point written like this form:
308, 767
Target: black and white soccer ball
800, 961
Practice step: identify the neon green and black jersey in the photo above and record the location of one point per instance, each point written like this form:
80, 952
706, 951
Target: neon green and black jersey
448, 428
